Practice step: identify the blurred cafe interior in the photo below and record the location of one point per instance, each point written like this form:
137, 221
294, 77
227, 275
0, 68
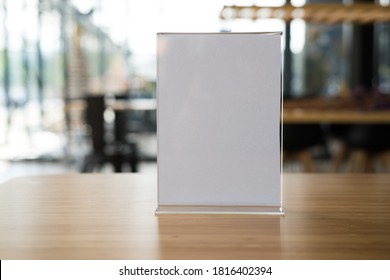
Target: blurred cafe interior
78, 80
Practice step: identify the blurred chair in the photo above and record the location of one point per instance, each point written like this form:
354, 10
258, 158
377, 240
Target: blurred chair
116, 152
298, 139
135, 122
338, 133
368, 144
123, 132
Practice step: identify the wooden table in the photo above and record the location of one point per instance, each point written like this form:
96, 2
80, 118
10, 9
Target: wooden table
111, 216
337, 110
307, 116
141, 104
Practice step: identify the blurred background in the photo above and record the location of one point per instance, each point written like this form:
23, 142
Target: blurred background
78, 80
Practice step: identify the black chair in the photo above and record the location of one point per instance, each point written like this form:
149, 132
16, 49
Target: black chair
126, 145
116, 152
366, 143
337, 133
298, 139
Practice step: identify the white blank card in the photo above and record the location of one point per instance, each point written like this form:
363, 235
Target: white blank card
219, 100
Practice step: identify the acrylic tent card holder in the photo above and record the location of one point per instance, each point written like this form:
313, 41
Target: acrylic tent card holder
219, 100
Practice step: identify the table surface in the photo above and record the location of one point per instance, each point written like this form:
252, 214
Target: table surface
315, 110
306, 116
112, 216
142, 104
345, 110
